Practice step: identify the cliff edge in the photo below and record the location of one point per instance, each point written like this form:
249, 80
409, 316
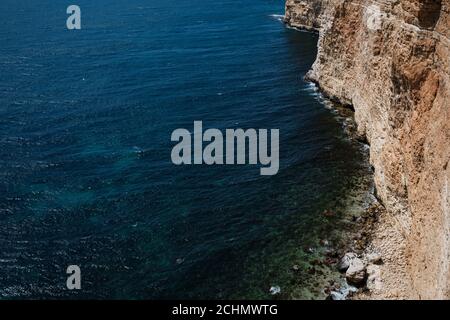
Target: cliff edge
390, 60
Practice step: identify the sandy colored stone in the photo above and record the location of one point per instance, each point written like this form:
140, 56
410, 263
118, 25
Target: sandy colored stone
356, 272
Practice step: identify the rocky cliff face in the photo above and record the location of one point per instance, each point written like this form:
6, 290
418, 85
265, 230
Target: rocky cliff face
390, 60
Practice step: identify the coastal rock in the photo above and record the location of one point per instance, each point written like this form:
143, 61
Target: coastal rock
356, 272
340, 292
374, 277
335, 295
374, 258
344, 264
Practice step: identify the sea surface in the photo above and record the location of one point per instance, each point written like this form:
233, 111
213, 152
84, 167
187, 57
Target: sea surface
86, 176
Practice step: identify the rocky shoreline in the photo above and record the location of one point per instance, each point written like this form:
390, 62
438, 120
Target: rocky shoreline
360, 258
358, 262
367, 257
388, 60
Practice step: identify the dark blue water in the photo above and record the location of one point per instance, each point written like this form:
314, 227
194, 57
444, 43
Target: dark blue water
85, 170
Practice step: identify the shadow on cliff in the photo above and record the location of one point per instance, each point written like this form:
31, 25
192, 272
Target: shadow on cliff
429, 13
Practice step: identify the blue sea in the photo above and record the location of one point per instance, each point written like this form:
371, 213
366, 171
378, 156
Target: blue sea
86, 176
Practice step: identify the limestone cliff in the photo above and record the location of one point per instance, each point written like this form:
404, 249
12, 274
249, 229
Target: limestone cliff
390, 60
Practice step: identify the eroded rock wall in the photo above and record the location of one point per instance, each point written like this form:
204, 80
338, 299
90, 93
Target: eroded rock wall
390, 60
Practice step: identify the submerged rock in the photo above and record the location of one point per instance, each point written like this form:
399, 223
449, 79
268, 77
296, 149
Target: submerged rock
310, 250
275, 290
329, 261
328, 213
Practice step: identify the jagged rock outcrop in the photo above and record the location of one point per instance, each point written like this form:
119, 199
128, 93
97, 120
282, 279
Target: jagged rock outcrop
390, 60
307, 14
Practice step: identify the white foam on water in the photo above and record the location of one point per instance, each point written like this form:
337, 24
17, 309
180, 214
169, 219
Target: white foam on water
278, 17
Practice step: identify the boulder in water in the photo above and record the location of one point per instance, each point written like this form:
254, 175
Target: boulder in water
344, 264
356, 272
